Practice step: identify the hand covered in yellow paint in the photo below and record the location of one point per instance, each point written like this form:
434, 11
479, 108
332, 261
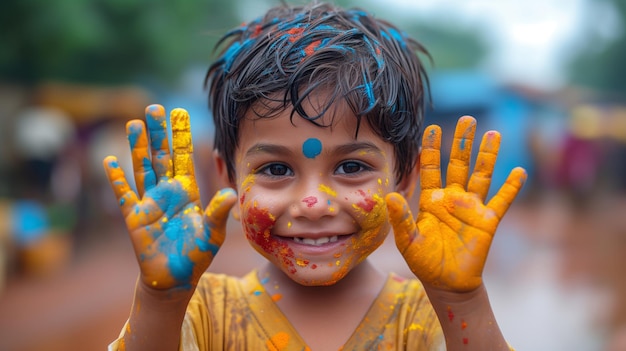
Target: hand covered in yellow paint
173, 238
446, 248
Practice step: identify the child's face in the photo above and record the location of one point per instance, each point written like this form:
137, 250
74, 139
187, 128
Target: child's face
312, 198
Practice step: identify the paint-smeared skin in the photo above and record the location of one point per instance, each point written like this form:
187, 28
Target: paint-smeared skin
174, 239
448, 245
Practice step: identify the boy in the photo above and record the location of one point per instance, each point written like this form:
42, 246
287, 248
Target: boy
318, 114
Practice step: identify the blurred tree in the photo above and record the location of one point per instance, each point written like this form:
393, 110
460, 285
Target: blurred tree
603, 68
451, 45
107, 41
116, 41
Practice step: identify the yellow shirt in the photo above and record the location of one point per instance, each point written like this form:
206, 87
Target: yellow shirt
244, 317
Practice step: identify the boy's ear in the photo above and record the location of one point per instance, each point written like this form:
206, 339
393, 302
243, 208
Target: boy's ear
223, 181
407, 186
222, 171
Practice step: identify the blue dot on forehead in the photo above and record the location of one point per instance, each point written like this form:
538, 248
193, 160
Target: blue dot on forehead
312, 147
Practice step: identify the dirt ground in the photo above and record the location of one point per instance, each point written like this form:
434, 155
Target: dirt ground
552, 277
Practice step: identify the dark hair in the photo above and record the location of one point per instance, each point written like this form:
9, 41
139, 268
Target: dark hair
281, 58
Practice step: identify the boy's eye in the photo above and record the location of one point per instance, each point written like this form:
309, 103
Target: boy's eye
276, 169
351, 167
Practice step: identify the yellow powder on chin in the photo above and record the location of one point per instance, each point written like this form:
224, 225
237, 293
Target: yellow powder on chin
302, 263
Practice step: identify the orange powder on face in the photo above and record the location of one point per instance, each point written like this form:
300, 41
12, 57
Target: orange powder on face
278, 342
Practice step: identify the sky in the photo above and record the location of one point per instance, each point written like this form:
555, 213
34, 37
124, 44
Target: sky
530, 40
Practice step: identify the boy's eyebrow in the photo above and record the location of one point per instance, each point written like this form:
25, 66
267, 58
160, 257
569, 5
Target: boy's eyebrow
361, 146
268, 149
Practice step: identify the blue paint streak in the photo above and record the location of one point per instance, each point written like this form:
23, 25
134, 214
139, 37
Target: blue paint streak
149, 178
133, 136
206, 246
157, 132
312, 147
180, 266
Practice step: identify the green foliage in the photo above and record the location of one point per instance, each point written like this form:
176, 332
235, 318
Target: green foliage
604, 70
450, 47
106, 40
119, 41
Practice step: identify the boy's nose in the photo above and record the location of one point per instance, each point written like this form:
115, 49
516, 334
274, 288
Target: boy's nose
312, 204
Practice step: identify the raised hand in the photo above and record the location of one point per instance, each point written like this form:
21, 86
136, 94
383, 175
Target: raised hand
446, 248
173, 238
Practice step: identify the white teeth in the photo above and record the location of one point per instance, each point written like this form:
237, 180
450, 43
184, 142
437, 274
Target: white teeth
316, 242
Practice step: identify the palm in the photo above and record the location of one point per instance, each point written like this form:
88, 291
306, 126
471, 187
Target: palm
448, 244
174, 240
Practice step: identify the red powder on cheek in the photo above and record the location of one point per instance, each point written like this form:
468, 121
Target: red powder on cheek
259, 222
368, 203
310, 201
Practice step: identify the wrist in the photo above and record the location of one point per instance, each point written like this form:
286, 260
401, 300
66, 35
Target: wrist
163, 297
467, 319
156, 318
466, 299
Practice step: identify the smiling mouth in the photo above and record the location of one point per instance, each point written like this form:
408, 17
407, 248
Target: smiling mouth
316, 242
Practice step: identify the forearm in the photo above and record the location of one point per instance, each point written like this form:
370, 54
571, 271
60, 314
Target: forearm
467, 320
155, 320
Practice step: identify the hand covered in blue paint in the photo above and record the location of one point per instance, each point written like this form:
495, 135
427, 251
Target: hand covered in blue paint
173, 238
447, 246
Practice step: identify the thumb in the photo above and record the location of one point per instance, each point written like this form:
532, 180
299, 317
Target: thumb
401, 219
216, 214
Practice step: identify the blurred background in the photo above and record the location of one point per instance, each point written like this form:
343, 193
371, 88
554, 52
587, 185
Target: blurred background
548, 74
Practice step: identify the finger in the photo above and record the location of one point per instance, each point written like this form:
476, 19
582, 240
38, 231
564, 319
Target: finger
504, 197
216, 215
142, 166
458, 167
181, 142
401, 219
125, 196
430, 158
480, 179
159, 144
